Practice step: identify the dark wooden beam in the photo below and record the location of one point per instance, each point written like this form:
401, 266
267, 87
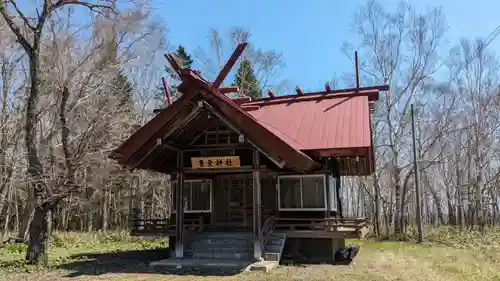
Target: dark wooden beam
336, 175
228, 90
371, 91
242, 169
167, 91
257, 210
169, 145
328, 195
206, 147
287, 172
339, 152
179, 208
145, 159
229, 64
174, 64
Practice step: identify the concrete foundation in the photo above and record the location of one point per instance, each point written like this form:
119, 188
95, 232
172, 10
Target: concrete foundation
237, 265
314, 250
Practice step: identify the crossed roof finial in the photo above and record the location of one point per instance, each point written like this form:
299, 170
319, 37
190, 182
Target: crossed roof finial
222, 74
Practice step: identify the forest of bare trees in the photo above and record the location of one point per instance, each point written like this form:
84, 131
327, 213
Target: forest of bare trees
78, 77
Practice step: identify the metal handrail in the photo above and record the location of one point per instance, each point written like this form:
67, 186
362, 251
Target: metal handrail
267, 228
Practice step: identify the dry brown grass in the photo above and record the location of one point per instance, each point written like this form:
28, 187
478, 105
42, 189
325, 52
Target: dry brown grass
464, 257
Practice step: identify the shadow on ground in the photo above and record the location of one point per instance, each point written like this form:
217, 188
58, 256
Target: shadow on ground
92, 264
130, 262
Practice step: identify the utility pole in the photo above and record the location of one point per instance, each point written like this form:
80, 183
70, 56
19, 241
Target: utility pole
417, 183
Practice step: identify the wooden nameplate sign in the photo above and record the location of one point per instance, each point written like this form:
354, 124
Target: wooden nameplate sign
221, 162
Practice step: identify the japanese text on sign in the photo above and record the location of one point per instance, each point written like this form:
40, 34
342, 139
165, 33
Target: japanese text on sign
215, 162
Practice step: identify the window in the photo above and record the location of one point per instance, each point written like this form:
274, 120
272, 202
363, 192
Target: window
197, 196
302, 192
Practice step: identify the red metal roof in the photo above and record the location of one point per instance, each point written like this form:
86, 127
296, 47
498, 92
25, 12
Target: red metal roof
321, 123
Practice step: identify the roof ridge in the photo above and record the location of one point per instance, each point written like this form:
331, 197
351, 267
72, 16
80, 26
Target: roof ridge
371, 91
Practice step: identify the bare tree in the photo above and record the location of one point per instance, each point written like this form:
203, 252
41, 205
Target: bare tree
31, 43
399, 47
266, 63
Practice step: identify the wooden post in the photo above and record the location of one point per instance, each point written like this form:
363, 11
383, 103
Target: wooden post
328, 195
336, 173
179, 207
257, 212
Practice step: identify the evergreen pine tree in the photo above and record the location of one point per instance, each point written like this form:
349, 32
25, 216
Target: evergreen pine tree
246, 81
123, 87
184, 58
120, 85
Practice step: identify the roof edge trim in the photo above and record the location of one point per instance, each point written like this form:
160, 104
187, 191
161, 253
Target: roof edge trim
372, 90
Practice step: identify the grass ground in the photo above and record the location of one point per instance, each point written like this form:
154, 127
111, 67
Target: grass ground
448, 255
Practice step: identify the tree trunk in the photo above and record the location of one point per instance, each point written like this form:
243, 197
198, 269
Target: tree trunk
452, 211
90, 219
16, 211
437, 199
38, 226
398, 229
27, 216
40, 229
7, 213
105, 215
377, 205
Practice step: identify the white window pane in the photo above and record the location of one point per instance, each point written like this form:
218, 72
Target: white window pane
313, 192
289, 193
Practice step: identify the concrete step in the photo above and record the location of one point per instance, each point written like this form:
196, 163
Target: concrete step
234, 235
213, 243
278, 235
272, 256
272, 248
222, 250
275, 242
230, 264
222, 240
223, 255
223, 245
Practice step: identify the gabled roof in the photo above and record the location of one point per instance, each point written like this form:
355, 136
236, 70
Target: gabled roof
195, 88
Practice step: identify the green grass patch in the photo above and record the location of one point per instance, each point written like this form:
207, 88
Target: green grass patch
64, 246
446, 255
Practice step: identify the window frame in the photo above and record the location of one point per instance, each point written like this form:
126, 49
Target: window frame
322, 176
332, 186
191, 195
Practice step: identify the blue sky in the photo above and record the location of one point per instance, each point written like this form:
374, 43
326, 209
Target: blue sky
309, 33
